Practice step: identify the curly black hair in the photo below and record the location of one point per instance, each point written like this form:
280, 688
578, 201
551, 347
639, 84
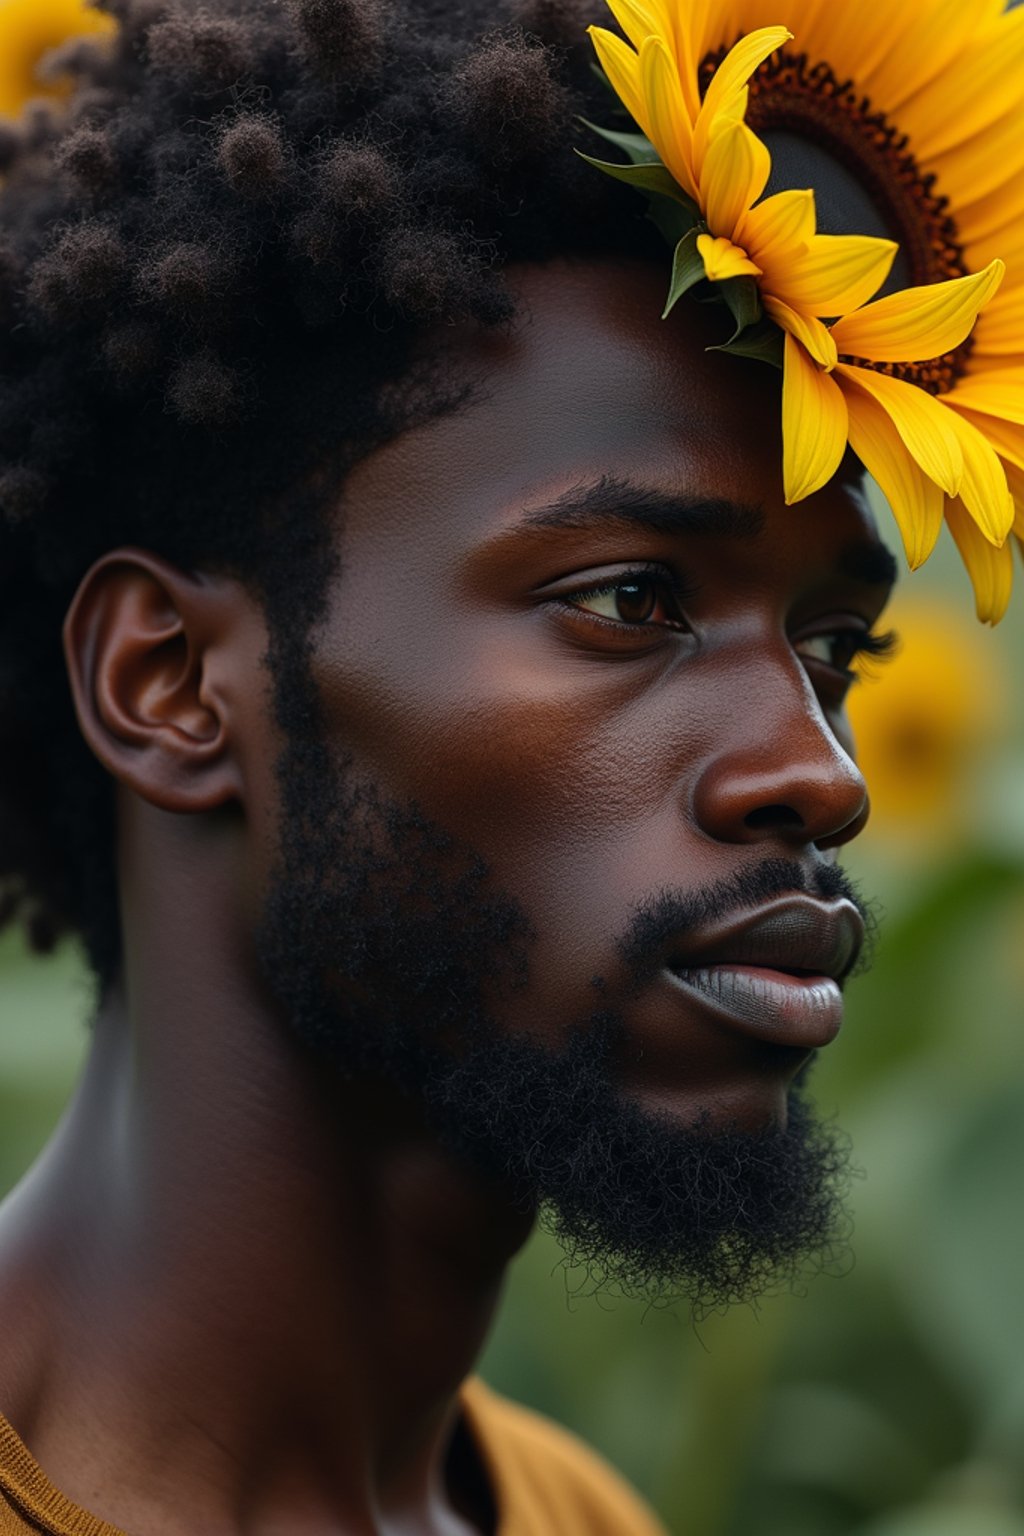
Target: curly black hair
214, 264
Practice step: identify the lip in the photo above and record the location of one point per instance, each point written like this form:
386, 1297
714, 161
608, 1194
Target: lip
776, 973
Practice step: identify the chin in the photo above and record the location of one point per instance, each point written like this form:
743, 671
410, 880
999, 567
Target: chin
752, 1104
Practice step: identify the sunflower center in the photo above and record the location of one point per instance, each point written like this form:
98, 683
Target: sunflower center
801, 109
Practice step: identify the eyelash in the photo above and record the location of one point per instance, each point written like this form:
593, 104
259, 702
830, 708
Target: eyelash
661, 581
863, 646
867, 647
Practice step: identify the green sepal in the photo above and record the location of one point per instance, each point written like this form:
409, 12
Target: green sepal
687, 269
636, 145
672, 218
744, 301
647, 176
763, 342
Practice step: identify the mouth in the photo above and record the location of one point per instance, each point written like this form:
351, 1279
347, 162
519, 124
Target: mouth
777, 973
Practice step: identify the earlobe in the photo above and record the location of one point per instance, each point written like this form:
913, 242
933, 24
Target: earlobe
146, 644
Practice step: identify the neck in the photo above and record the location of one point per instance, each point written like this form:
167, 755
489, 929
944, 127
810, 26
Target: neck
259, 1288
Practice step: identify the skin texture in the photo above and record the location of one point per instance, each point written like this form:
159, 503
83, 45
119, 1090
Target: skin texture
295, 1261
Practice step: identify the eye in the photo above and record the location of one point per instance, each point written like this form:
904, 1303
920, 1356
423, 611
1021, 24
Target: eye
636, 598
838, 649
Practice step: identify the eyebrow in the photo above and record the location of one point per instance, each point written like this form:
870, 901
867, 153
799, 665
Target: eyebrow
623, 501
613, 500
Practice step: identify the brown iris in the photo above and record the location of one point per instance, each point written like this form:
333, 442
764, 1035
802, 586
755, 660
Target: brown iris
636, 600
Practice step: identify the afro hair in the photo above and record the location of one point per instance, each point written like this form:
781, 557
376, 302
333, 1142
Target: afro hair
214, 263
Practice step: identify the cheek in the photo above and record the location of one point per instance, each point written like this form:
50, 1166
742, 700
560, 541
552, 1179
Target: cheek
568, 776
497, 732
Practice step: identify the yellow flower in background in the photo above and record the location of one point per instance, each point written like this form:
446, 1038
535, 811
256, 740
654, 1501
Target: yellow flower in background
923, 724
29, 30
921, 101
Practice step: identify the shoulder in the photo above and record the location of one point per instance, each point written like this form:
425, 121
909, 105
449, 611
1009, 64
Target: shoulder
11, 1523
545, 1479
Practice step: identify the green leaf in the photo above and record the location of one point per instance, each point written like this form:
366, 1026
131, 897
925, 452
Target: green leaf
636, 145
687, 269
963, 1262
599, 74
744, 301
645, 176
671, 218
905, 987
762, 342
948, 1519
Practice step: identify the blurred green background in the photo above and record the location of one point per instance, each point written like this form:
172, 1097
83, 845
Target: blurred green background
887, 1400
884, 1401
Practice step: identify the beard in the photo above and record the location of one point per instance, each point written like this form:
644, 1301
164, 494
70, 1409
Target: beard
392, 956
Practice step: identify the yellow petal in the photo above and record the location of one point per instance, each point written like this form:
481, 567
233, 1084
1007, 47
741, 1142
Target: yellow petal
920, 421
740, 63
936, 37
735, 171
662, 13
735, 16
1000, 328
996, 392
835, 274
860, 35
1006, 438
637, 20
1015, 480
781, 225
730, 78
983, 490
990, 569
734, 111
991, 213
813, 425
622, 66
915, 500
967, 100
1006, 242
686, 33
670, 130
723, 260
970, 171
918, 323
817, 338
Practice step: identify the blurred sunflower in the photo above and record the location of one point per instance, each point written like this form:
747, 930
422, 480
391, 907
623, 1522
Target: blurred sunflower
923, 725
919, 101
29, 30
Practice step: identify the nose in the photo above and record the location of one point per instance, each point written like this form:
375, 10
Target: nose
780, 772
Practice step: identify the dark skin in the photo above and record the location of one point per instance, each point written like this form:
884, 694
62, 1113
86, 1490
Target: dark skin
246, 1294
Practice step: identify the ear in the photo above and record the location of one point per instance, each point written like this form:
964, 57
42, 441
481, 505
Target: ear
154, 656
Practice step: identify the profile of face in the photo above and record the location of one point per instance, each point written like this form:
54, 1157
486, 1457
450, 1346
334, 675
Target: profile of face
556, 854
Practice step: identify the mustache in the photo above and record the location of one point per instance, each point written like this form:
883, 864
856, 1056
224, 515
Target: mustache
666, 915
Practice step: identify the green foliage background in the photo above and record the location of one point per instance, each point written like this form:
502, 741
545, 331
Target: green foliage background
884, 1401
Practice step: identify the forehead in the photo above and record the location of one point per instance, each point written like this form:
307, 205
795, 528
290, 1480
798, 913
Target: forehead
588, 382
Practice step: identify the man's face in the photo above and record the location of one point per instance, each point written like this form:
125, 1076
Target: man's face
581, 689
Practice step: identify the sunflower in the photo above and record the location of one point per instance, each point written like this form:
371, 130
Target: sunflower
921, 748
29, 30
920, 101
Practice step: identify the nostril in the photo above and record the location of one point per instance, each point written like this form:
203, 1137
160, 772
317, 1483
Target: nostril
770, 817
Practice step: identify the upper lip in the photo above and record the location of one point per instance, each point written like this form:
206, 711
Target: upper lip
796, 934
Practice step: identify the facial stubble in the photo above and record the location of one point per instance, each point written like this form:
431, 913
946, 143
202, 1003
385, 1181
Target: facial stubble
395, 957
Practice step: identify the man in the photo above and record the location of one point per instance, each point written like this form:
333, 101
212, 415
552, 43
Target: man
453, 785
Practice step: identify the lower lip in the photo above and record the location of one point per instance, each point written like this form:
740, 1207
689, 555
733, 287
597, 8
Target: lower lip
804, 1011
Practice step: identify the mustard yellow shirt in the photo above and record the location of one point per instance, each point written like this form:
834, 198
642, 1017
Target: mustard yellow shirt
544, 1481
